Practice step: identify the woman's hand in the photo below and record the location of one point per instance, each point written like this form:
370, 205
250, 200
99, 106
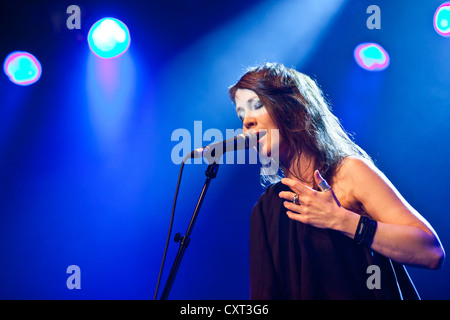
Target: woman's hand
319, 209
402, 234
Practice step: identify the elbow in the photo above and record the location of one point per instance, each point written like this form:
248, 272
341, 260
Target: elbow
437, 258
434, 253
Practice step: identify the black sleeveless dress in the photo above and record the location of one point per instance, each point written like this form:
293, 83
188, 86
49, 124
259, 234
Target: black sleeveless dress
292, 260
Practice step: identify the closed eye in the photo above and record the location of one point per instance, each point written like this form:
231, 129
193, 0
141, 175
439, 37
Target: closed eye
258, 105
241, 114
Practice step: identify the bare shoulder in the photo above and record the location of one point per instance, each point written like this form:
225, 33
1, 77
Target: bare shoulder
372, 190
357, 179
357, 170
353, 170
365, 188
359, 164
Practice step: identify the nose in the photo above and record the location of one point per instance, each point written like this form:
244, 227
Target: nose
249, 123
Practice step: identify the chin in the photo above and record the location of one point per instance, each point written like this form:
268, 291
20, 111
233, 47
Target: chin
266, 151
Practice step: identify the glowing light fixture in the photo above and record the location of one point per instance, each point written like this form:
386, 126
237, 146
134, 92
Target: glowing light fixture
22, 68
441, 20
109, 38
371, 56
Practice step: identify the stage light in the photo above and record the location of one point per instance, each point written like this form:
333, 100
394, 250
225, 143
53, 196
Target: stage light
441, 20
22, 68
371, 56
109, 38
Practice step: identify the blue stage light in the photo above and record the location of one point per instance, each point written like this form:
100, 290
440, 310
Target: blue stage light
441, 20
22, 68
109, 38
371, 56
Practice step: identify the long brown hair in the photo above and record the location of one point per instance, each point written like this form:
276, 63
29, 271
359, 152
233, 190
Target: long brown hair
304, 119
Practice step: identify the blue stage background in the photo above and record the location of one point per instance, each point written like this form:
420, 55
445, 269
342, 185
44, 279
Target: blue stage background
86, 174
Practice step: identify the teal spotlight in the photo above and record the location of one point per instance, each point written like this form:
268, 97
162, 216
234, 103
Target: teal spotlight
441, 20
109, 38
22, 68
371, 56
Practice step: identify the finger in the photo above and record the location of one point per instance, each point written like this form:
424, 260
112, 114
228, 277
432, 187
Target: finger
318, 177
293, 207
296, 186
288, 195
323, 185
298, 217
321, 182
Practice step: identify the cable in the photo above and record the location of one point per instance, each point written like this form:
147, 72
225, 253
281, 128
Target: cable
170, 227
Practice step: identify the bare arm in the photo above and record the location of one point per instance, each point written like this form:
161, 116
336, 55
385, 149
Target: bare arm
402, 234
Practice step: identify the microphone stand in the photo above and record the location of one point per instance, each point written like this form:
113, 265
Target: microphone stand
211, 173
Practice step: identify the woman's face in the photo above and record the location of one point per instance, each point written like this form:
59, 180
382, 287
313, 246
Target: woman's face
254, 116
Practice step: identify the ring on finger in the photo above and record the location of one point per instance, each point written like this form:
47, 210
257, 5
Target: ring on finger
295, 199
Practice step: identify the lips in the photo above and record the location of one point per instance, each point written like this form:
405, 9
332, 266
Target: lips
261, 135
260, 141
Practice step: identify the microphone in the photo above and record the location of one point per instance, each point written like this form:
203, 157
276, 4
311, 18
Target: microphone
240, 142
